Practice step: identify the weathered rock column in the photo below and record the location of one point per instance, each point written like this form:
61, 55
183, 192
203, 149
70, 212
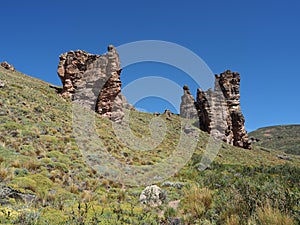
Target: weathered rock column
230, 85
219, 110
187, 107
109, 101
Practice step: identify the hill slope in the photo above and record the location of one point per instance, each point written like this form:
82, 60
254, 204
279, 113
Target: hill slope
46, 180
285, 138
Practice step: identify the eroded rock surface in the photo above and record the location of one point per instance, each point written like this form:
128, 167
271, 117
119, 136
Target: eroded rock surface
219, 110
187, 106
71, 69
93, 81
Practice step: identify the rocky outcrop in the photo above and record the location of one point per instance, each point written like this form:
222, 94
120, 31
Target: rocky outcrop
219, 110
71, 69
6, 193
187, 106
7, 66
229, 83
93, 81
109, 101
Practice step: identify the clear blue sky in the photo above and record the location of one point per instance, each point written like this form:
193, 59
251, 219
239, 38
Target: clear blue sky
259, 39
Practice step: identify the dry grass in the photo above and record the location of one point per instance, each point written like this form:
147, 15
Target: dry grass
233, 220
3, 174
86, 196
197, 200
74, 189
16, 163
31, 165
270, 216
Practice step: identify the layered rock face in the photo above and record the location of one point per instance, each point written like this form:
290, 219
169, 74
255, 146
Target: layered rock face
109, 101
93, 81
187, 106
219, 110
71, 69
230, 85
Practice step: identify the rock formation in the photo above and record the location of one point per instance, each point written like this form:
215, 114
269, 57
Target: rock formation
187, 106
71, 69
219, 110
93, 81
7, 192
108, 97
7, 66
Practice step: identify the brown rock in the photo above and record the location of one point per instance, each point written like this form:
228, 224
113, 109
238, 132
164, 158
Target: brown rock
112, 87
187, 106
7, 66
168, 113
219, 110
93, 81
72, 66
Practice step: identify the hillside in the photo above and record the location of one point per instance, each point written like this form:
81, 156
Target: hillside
285, 138
46, 180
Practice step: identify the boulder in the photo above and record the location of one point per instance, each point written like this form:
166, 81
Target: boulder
153, 196
7, 66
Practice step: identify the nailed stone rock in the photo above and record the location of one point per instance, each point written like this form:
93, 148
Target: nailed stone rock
7, 66
153, 196
219, 110
93, 81
187, 107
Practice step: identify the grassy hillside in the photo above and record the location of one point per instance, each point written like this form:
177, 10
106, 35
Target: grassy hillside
39, 158
285, 138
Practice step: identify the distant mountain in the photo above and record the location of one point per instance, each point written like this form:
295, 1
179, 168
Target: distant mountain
284, 138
